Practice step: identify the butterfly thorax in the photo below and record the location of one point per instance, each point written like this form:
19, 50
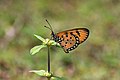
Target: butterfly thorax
54, 37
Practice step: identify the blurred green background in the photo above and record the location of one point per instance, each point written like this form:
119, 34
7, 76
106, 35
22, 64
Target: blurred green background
96, 59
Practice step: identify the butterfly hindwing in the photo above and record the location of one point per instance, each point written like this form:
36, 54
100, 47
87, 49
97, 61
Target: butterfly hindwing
70, 39
67, 40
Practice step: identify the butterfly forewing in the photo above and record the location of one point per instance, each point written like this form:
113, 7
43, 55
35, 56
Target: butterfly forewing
70, 39
82, 33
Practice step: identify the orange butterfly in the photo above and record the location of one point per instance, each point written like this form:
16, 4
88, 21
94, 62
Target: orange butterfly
70, 39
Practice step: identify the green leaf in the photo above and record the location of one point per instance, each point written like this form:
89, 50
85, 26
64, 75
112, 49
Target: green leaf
42, 73
47, 41
57, 78
39, 37
36, 49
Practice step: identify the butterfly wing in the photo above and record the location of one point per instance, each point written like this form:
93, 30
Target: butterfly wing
70, 39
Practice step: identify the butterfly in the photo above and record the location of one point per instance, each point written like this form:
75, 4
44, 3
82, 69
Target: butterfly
69, 39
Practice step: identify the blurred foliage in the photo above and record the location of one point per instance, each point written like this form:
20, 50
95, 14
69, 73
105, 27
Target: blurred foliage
96, 59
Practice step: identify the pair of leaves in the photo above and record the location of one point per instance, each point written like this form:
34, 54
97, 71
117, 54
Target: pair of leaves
44, 73
45, 43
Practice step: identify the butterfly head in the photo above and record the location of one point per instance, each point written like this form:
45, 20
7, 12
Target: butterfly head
54, 37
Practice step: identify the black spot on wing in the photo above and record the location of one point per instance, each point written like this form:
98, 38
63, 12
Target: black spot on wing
78, 32
66, 34
65, 42
70, 37
62, 36
71, 33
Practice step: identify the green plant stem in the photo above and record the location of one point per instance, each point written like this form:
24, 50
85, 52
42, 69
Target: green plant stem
48, 60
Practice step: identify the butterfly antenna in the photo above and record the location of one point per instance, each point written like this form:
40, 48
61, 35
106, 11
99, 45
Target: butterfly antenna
49, 25
52, 33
